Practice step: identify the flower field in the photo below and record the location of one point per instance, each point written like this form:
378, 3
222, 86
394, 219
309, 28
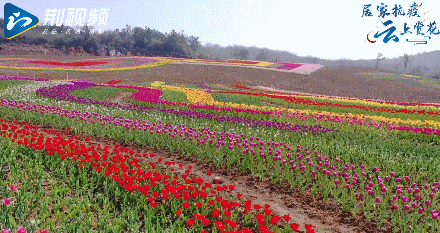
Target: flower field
135, 63
120, 156
299, 68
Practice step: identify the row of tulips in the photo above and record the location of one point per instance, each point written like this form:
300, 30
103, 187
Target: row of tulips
77, 63
152, 95
136, 63
200, 205
199, 96
349, 100
304, 172
2, 78
279, 66
205, 98
350, 184
295, 100
62, 92
356, 121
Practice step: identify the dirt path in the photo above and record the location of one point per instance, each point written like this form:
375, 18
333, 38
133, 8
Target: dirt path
122, 97
283, 199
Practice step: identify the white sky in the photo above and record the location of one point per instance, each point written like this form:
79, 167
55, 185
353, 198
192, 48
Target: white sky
326, 29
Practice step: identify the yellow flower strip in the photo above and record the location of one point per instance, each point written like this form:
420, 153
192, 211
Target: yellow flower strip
163, 61
203, 97
265, 64
157, 84
358, 101
235, 64
371, 103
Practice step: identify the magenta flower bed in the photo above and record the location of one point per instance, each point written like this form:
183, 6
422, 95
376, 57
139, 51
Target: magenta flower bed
289, 66
22, 78
150, 95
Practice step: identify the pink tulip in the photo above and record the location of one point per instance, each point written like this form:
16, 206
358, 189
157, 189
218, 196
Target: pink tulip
414, 204
21, 230
7, 201
13, 187
428, 202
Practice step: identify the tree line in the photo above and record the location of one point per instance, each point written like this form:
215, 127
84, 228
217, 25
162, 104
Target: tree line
134, 40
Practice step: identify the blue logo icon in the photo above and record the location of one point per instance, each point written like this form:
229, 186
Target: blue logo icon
18, 21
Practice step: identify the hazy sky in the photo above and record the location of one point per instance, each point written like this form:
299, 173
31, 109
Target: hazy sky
326, 29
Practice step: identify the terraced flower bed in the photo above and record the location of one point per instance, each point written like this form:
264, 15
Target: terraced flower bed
368, 158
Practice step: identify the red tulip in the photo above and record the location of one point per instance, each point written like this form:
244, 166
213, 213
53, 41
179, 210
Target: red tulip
190, 222
294, 226
274, 219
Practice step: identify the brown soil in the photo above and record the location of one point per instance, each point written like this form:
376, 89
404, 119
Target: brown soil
339, 81
272, 104
122, 97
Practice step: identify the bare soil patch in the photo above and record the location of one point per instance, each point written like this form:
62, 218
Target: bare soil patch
122, 97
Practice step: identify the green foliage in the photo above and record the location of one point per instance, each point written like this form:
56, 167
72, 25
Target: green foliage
174, 96
8, 83
100, 93
137, 40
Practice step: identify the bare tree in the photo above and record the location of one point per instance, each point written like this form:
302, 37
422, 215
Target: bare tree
241, 54
379, 57
262, 56
313, 59
405, 60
